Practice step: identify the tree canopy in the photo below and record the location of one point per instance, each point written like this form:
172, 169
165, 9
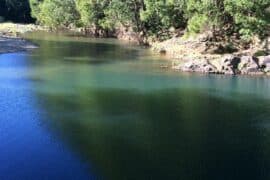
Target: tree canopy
245, 18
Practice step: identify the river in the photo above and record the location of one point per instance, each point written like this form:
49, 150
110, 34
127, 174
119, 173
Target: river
81, 108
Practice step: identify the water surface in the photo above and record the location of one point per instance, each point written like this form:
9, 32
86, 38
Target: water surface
79, 108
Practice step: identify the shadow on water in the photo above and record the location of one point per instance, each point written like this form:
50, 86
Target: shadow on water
164, 134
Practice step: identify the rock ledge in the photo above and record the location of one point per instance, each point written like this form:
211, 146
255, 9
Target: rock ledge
229, 64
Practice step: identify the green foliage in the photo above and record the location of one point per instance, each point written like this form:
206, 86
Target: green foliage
120, 12
92, 11
197, 23
160, 15
35, 7
147, 17
205, 13
156, 18
58, 13
245, 17
250, 17
126, 13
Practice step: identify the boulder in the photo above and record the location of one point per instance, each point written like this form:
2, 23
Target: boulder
190, 66
229, 64
209, 68
267, 68
249, 65
200, 66
263, 60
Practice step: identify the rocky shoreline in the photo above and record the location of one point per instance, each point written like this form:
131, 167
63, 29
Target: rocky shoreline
197, 56
189, 55
228, 64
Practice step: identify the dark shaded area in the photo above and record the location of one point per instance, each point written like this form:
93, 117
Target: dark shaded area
17, 11
166, 134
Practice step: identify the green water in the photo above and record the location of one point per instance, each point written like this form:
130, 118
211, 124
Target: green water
123, 117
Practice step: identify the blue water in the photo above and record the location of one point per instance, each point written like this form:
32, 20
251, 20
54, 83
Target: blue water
27, 149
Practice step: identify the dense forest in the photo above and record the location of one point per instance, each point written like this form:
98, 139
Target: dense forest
149, 18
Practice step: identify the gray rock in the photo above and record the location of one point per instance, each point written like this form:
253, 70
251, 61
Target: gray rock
190, 66
247, 61
263, 60
267, 68
249, 65
200, 66
209, 68
229, 64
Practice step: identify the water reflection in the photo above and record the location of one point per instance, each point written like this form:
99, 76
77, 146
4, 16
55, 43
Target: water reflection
71, 49
165, 134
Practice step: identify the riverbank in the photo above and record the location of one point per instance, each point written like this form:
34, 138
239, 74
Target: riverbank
15, 30
193, 55
198, 55
10, 40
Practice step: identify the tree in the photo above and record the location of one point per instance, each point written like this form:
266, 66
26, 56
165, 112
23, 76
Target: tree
126, 12
92, 13
161, 15
58, 13
249, 17
224, 18
244, 17
35, 7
